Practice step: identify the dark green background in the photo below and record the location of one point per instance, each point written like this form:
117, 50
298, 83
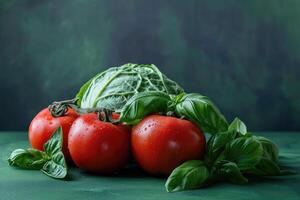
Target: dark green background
244, 55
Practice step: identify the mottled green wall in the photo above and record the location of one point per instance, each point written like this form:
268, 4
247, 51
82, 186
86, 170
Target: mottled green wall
245, 55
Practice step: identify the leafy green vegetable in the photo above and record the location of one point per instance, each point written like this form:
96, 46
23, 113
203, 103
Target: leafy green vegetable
231, 172
231, 155
194, 107
265, 167
237, 126
246, 152
27, 159
201, 111
112, 88
51, 161
217, 143
142, 104
56, 167
270, 149
268, 165
190, 175
215, 148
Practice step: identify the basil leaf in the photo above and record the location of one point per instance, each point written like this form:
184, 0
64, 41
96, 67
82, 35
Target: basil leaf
56, 167
112, 88
200, 110
27, 159
237, 126
51, 161
270, 149
246, 152
231, 172
54, 144
143, 104
266, 167
215, 148
190, 175
217, 143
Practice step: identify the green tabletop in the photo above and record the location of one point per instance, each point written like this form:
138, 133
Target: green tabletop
24, 184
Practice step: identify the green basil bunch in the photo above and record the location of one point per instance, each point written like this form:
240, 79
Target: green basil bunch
232, 152
51, 161
195, 107
231, 156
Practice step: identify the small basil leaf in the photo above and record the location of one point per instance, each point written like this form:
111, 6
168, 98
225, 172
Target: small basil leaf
142, 104
201, 111
215, 147
231, 172
190, 175
237, 126
270, 149
27, 159
268, 165
246, 152
265, 167
217, 142
54, 144
56, 167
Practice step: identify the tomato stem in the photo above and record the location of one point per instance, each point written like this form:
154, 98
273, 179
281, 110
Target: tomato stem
60, 108
106, 116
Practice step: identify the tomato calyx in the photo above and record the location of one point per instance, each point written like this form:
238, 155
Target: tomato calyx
60, 108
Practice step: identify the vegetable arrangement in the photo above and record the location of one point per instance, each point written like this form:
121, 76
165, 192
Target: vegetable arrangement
135, 109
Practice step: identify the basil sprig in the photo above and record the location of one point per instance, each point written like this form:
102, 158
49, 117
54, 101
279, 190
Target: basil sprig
232, 152
28, 159
51, 161
195, 107
231, 156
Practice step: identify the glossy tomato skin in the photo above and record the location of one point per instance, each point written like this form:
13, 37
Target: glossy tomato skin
161, 143
97, 146
44, 124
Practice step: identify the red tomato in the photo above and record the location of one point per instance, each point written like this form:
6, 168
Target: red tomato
161, 143
97, 146
44, 124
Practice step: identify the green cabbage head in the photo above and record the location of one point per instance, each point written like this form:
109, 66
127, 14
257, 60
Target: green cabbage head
112, 88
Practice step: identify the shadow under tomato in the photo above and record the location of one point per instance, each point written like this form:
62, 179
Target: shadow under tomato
130, 171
